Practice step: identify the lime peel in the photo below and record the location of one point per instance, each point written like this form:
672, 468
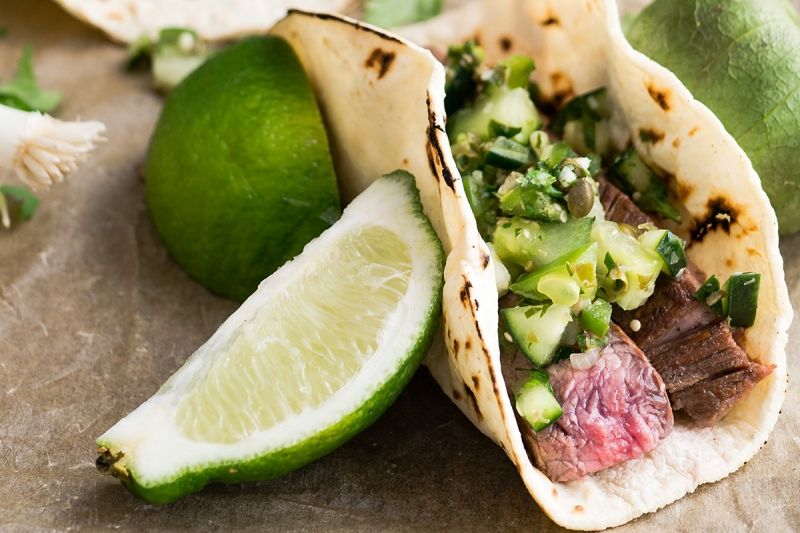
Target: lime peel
155, 453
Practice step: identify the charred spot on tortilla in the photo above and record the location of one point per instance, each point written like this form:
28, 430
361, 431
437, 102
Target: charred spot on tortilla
683, 191
693, 131
659, 96
752, 252
473, 400
464, 293
468, 344
456, 394
455, 346
381, 60
650, 135
578, 508
485, 258
562, 89
505, 43
720, 214
476, 382
551, 20
434, 149
676, 142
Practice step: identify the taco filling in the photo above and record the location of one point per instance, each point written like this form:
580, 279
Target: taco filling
606, 327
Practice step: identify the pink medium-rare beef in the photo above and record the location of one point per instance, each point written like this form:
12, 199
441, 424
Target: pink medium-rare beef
705, 370
614, 411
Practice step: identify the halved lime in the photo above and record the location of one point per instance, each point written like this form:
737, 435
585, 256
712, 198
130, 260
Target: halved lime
314, 356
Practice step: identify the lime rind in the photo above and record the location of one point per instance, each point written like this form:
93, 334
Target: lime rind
159, 464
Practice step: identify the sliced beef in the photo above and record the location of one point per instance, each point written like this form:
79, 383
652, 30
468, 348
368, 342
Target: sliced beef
614, 411
619, 207
670, 313
709, 401
706, 353
705, 370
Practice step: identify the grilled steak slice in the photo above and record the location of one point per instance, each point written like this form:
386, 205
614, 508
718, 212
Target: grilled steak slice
704, 354
614, 411
705, 370
707, 402
670, 313
619, 207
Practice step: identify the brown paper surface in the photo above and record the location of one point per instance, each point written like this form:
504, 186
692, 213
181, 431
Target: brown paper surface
94, 316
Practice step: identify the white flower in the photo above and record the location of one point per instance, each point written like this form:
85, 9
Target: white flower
42, 150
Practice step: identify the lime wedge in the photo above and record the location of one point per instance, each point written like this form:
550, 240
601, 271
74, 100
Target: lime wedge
314, 356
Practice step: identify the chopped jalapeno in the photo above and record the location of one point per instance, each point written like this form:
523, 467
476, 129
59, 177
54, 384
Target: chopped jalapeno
710, 294
596, 317
736, 300
532, 244
742, 290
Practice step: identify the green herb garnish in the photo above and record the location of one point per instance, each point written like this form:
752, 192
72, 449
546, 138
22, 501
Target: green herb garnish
23, 91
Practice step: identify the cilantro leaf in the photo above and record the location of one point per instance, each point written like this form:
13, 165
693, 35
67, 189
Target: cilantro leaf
22, 92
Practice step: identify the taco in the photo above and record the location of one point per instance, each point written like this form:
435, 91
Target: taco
615, 311
129, 20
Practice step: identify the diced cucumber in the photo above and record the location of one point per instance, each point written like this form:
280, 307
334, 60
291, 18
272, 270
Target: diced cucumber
742, 290
537, 330
596, 317
507, 154
532, 244
536, 402
668, 248
562, 281
512, 108
628, 272
647, 190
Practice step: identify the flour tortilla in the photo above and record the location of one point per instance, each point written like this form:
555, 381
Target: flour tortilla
578, 46
213, 20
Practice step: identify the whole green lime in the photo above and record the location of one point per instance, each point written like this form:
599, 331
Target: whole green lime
239, 174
